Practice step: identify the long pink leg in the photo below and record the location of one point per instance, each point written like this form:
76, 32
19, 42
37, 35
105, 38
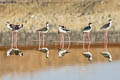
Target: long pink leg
43, 40
63, 41
69, 40
39, 40
12, 40
16, 39
83, 35
106, 40
89, 41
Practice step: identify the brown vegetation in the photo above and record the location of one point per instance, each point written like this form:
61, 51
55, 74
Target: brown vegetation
74, 14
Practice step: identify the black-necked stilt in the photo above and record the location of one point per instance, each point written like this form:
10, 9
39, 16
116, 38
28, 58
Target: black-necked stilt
43, 31
14, 29
88, 55
107, 55
63, 30
87, 29
62, 52
13, 51
46, 51
106, 27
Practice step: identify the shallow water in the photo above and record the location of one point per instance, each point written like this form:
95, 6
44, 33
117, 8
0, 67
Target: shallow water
73, 66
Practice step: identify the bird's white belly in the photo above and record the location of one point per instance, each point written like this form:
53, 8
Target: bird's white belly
87, 30
62, 31
44, 31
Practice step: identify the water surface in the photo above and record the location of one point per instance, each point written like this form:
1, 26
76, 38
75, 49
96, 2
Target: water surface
73, 66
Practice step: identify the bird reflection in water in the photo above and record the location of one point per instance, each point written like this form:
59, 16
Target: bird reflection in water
87, 30
61, 52
106, 53
13, 51
46, 51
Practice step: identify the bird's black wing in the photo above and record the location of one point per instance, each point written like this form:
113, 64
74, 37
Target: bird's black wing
86, 28
17, 27
86, 55
42, 29
105, 26
43, 50
66, 29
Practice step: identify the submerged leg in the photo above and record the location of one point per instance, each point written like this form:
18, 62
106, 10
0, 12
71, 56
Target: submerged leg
16, 40
106, 39
83, 35
43, 39
12, 45
39, 41
63, 41
89, 41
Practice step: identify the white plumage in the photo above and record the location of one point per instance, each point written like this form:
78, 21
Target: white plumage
88, 55
44, 29
13, 27
107, 55
62, 52
87, 28
46, 51
107, 26
13, 51
63, 29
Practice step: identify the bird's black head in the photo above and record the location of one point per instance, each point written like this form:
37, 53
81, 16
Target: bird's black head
7, 23
110, 20
47, 22
90, 24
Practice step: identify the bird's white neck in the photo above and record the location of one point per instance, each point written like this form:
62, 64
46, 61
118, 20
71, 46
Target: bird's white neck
47, 25
90, 25
8, 26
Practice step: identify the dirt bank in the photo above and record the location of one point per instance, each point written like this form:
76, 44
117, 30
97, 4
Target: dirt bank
73, 14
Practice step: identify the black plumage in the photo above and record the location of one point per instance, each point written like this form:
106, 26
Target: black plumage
42, 29
86, 28
105, 26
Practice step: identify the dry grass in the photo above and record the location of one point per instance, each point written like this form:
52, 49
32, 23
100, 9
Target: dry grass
75, 14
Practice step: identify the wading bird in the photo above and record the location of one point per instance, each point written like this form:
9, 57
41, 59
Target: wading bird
43, 31
88, 55
46, 51
87, 29
14, 29
62, 52
63, 30
106, 27
107, 55
13, 51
